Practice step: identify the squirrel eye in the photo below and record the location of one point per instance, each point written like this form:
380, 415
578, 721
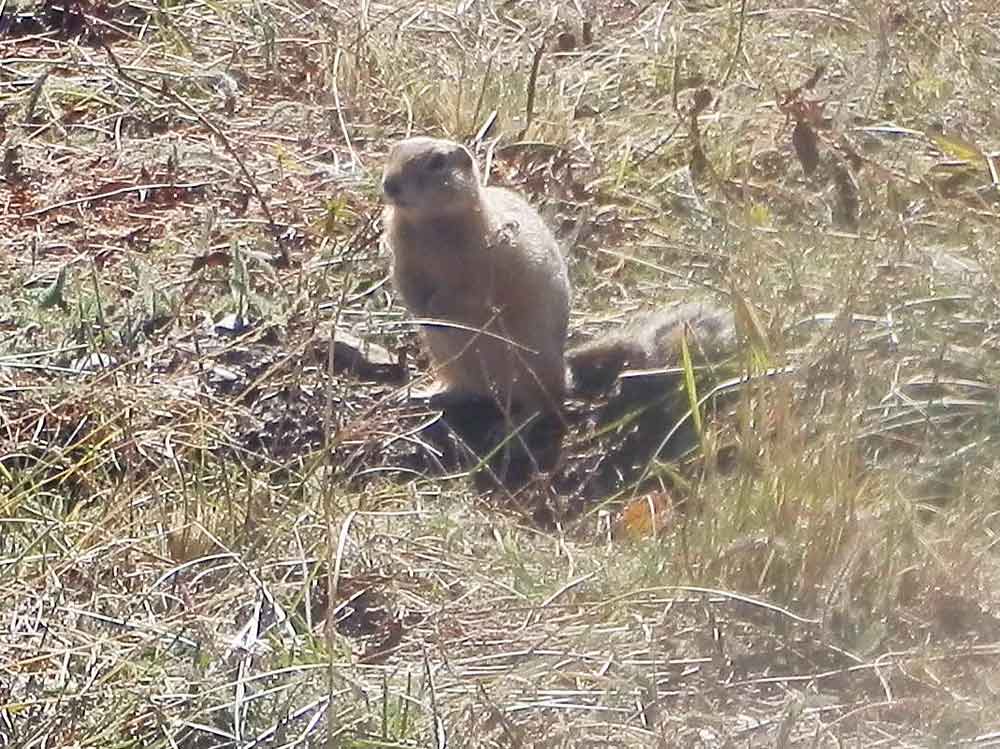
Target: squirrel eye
436, 164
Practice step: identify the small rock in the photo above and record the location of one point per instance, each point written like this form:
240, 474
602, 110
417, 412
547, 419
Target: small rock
224, 374
231, 325
355, 356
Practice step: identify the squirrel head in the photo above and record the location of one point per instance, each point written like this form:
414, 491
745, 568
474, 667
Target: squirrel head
430, 178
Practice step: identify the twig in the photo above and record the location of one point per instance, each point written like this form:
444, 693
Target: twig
341, 542
535, 613
114, 193
739, 46
487, 126
529, 114
340, 109
319, 705
430, 322
440, 736
215, 131
744, 599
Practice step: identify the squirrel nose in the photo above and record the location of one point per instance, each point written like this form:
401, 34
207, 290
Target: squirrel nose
392, 187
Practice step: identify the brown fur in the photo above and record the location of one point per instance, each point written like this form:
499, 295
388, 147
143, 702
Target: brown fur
652, 341
482, 258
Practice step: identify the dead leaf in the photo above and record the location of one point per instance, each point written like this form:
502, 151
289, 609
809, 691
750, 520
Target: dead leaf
848, 204
957, 148
814, 78
216, 259
699, 162
379, 650
749, 325
894, 200
53, 296
702, 98
806, 148
566, 42
644, 517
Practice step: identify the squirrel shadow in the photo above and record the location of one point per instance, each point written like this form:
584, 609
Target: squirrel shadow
593, 450
629, 406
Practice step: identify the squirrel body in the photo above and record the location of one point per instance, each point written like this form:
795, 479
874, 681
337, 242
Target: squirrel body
480, 266
481, 263
488, 284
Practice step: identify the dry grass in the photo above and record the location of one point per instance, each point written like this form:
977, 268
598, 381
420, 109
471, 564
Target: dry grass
211, 542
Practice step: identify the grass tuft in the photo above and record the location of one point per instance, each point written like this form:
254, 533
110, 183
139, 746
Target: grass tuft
209, 540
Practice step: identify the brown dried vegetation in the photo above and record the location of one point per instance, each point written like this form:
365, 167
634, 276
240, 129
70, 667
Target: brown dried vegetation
222, 523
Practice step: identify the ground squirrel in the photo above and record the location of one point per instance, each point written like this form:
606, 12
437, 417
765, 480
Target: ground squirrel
481, 264
482, 261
